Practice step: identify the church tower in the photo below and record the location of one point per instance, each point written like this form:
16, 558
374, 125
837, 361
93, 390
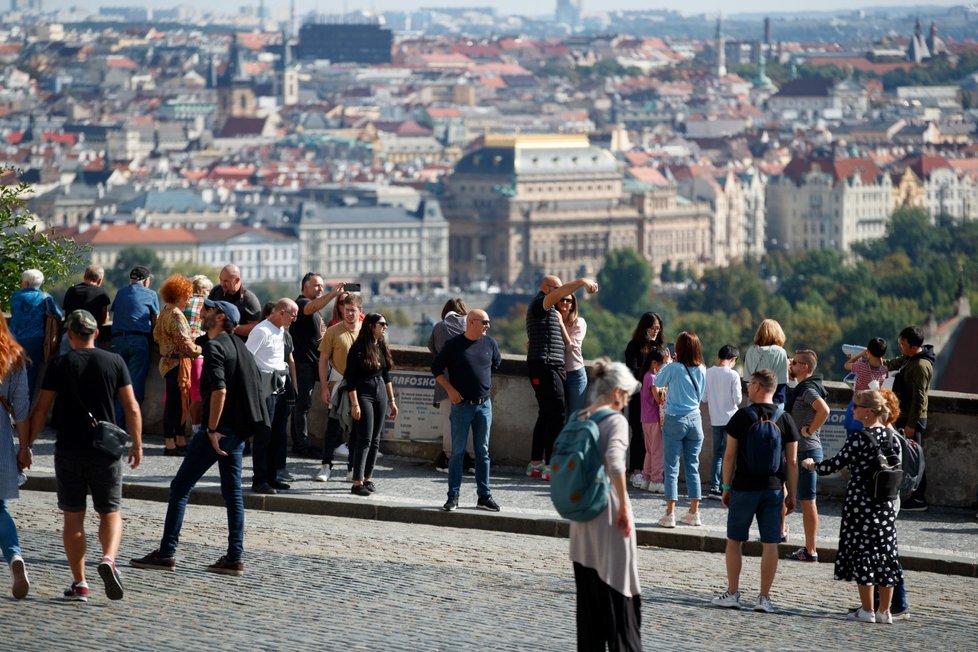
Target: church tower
235, 95
720, 43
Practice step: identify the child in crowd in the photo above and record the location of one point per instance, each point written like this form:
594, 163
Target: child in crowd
722, 396
869, 368
652, 398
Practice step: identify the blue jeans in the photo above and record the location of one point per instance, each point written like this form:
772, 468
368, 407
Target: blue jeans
34, 347
134, 349
763, 504
9, 542
199, 458
719, 448
575, 388
479, 418
682, 435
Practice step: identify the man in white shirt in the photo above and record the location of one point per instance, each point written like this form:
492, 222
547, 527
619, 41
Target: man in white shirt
267, 343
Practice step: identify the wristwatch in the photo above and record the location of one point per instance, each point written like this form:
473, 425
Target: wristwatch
211, 431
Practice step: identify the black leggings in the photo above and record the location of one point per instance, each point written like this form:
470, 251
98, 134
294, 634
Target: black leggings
548, 386
173, 406
372, 398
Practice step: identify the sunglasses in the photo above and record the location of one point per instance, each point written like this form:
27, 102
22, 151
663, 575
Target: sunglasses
381, 323
567, 300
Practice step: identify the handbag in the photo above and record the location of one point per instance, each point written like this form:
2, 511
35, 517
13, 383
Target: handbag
107, 437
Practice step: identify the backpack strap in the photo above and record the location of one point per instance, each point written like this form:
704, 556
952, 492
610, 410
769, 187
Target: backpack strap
778, 412
752, 413
601, 414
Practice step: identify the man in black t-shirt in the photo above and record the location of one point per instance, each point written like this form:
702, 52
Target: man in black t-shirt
234, 292
87, 295
82, 386
307, 333
469, 359
747, 495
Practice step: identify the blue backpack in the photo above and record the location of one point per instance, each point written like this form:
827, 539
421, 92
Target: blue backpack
578, 485
764, 443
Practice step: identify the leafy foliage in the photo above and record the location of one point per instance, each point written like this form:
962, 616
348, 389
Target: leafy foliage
24, 247
625, 280
118, 275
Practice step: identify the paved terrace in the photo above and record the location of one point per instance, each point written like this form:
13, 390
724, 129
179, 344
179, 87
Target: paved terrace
941, 540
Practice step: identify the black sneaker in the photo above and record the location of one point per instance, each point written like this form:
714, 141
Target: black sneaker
263, 488
111, 579
371, 487
359, 490
451, 504
155, 561
487, 503
441, 462
914, 505
285, 476
225, 566
278, 485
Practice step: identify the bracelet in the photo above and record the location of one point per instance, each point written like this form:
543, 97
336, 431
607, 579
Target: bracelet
725, 487
211, 431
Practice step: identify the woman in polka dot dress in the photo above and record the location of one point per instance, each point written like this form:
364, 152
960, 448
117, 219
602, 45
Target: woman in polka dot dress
867, 534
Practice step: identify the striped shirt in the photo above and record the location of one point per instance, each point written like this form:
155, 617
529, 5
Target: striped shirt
866, 373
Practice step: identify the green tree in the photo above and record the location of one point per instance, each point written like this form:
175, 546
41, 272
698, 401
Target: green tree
625, 281
118, 275
607, 332
24, 247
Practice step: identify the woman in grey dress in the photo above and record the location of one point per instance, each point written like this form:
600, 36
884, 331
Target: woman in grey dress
609, 598
15, 401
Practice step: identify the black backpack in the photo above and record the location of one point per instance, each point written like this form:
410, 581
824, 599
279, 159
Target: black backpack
885, 476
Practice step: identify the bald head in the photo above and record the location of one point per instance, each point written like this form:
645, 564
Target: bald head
549, 283
230, 279
476, 324
284, 313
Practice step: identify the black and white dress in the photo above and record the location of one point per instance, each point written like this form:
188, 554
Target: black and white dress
867, 533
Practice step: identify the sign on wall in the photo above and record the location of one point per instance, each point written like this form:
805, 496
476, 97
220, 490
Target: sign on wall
417, 419
833, 433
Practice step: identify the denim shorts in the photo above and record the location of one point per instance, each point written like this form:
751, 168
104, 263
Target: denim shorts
807, 479
765, 504
79, 471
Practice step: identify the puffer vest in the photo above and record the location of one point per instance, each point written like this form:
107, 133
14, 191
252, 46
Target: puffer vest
546, 342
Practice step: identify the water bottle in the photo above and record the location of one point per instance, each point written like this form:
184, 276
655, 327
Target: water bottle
21, 478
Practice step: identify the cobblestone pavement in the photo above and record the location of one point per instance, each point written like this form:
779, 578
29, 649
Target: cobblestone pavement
314, 582
413, 485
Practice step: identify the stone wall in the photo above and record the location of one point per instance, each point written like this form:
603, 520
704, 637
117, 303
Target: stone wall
951, 441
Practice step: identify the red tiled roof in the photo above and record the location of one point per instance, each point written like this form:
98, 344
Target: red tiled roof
840, 169
126, 234
648, 175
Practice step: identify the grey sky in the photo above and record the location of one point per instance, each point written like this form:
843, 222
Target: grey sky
521, 6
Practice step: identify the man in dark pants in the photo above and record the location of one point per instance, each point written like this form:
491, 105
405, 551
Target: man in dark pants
134, 314
233, 411
307, 333
916, 365
469, 359
545, 366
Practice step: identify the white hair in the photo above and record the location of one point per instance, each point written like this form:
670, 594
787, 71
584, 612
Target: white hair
202, 284
34, 278
609, 376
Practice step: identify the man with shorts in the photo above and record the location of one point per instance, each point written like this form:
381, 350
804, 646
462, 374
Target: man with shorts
83, 385
747, 495
805, 402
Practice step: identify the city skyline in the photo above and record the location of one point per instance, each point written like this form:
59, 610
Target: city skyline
545, 7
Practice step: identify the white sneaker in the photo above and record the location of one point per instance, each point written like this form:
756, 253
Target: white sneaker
862, 616
690, 518
727, 600
764, 604
669, 520
657, 487
323, 474
637, 479
343, 451
349, 475
884, 618
644, 485
18, 572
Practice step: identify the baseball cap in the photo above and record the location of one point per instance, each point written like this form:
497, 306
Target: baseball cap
139, 273
81, 322
229, 309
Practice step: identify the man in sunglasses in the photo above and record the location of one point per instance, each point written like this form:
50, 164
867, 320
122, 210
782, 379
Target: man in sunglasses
469, 359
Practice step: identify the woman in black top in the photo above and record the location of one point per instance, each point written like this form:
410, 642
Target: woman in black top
371, 392
647, 334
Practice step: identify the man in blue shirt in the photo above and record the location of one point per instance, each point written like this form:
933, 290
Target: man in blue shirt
470, 359
134, 314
